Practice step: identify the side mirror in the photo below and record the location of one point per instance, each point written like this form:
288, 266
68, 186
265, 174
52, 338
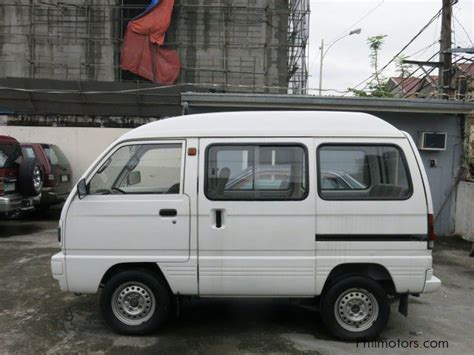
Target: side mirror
134, 178
82, 189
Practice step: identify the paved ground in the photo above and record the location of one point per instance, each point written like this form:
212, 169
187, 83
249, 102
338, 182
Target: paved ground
36, 317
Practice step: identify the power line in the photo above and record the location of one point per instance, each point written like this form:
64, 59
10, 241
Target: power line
464, 29
360, 19
365, 81
412, 73
350, 27
153, 88
427, 73
423, 50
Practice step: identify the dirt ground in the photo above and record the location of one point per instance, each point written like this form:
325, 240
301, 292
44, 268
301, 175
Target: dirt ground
36, 317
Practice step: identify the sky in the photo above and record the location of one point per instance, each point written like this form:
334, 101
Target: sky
347, 63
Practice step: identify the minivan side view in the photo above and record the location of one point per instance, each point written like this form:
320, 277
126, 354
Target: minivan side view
331, 206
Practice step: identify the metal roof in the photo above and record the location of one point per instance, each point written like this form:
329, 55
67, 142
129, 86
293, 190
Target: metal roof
200, 102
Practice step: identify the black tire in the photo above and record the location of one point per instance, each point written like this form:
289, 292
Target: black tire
368, 296
30, 177
143, 281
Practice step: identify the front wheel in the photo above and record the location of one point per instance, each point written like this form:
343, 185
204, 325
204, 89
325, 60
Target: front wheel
355, 308
135, 302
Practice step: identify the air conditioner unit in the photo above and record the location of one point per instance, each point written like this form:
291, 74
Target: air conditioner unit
433, 141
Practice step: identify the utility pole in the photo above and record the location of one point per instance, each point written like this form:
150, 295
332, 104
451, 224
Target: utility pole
445, 76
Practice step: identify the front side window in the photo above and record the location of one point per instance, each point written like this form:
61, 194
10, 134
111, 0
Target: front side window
140, 169
256, 172
363, 172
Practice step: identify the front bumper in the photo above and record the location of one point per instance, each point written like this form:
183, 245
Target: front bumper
432, 283
58, 270
17, 202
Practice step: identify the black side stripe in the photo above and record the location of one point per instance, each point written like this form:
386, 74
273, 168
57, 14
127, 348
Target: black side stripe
371, 237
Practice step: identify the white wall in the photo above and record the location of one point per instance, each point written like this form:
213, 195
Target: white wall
80, 145
465, 210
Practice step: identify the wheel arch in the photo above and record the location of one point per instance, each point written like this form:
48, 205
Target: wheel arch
149, 266
374, 271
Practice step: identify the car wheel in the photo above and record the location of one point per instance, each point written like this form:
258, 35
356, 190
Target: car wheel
30, 177
135, 302
355, 308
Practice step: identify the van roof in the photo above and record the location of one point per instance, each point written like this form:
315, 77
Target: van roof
268, 124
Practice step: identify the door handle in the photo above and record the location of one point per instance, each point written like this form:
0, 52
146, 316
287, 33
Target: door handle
218, 219
168, 213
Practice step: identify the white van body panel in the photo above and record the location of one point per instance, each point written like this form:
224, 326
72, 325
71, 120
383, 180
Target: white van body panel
424, 176
374, 216
406, 261
106, 230
265, 248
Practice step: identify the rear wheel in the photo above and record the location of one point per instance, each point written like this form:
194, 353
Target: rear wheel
355, 308
135, 302
30, 177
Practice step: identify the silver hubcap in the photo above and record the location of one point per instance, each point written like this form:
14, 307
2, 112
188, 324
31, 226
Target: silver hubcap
133, 303
37, 181
356, 310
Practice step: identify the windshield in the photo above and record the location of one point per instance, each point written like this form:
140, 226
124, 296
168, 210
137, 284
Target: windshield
9, 154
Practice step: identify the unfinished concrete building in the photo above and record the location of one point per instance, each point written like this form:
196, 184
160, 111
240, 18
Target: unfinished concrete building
224, 45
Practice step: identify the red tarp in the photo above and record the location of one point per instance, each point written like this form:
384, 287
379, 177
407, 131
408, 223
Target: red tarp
142, 51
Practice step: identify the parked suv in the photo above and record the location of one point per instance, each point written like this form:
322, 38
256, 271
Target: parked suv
21, 178
57, 173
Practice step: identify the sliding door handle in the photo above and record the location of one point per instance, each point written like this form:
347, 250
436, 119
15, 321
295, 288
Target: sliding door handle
218, 219
168, 213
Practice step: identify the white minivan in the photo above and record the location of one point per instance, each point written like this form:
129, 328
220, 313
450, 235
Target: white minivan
333, 206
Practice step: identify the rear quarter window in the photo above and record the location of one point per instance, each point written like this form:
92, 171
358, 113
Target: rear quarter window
55, 155
363, 172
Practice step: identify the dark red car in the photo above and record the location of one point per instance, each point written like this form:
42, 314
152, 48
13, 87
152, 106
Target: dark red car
57, 173
21, 178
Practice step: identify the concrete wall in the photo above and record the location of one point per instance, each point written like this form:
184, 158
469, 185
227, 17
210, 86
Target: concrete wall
238, 45
232, 42
66, 40
80, 145
465, 210
447, 163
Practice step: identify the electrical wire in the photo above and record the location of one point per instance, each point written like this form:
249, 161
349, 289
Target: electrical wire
367, 80
312, 63
464, 29
360, 19
423, 50
414, 72
153, 88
